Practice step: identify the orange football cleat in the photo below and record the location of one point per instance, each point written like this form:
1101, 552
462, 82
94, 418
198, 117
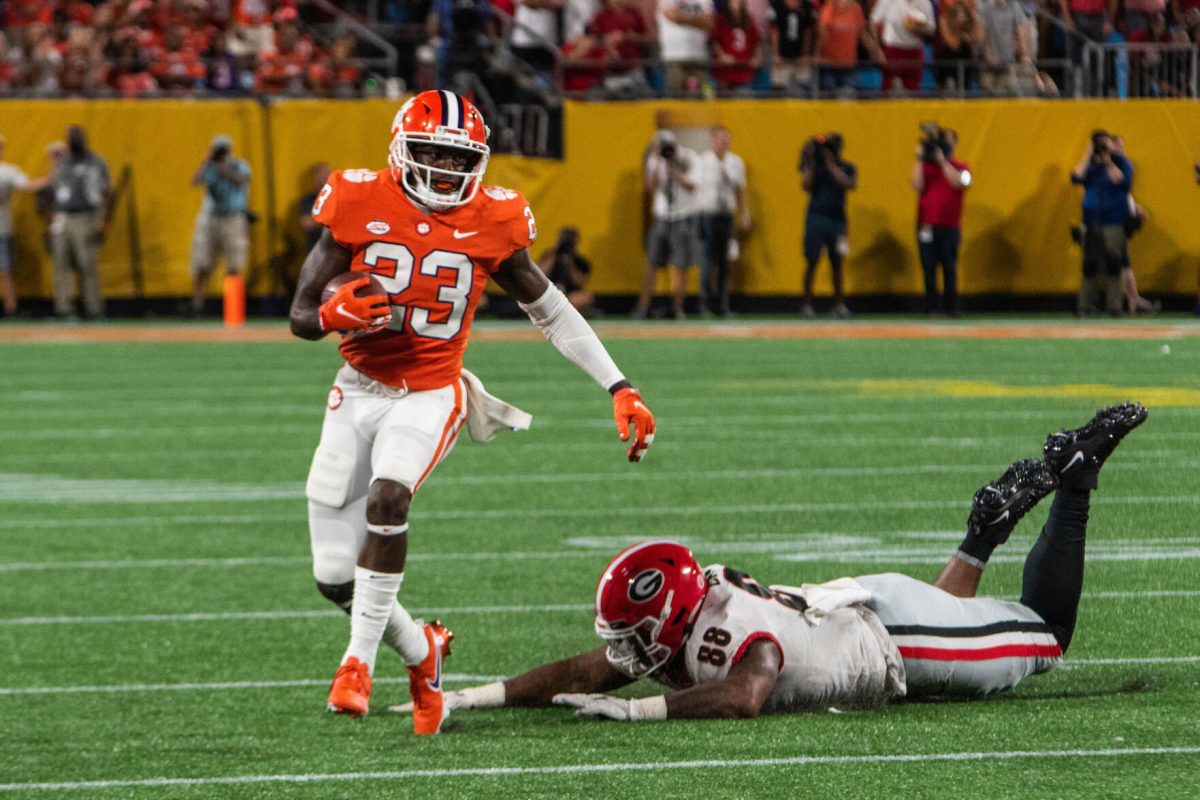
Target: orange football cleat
350, 691
425, 681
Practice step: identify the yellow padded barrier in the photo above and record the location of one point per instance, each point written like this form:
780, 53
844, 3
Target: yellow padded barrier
1015, 224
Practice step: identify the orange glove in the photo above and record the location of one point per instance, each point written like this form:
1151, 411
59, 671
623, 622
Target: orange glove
344, 312
633, 416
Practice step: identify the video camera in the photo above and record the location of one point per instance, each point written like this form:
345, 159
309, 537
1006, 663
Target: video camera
933, 139
818, 146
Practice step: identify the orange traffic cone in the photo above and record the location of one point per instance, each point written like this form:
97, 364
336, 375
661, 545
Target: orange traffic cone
235, 301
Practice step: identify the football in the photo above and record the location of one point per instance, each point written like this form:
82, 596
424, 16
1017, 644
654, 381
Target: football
372, 287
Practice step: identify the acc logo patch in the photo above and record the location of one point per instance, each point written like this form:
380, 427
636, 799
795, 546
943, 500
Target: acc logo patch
335, 398
499, 193
645, 586
378, 226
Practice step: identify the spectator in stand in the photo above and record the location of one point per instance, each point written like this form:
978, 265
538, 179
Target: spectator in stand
1138, 14
609, 51
1003, 26
683, 30
793, 35
283, 68
735, 51
131, 74
567, 269
721, 200
8, 66
198, 30
941, 180
1092, 19
827, 177
670, 177
224, 72
41, 60
903, 26
84, 70
1107, 178
252, 31
534, 36
82, 191
338, 75
584, 58
957, 32
461, 32
177, 67
841, 27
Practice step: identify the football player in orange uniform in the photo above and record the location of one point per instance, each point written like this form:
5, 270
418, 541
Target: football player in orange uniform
432, 235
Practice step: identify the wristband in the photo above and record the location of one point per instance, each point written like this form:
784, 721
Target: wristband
648, 708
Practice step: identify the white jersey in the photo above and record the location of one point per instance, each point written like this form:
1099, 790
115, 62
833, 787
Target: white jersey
844, 658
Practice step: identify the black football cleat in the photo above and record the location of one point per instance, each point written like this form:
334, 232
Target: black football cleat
999, 505
1077, 455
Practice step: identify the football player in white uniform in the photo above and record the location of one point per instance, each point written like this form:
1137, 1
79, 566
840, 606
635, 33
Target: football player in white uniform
728, 646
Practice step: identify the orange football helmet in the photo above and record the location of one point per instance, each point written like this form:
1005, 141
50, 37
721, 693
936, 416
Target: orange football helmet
646, 601
439, 149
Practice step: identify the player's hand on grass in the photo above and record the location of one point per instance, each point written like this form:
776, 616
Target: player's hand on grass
634, 420
597, 705
345, 312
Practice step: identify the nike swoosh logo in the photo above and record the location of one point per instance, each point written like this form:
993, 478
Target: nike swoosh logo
341, 309
1000, 518
1075, 459
461, 235
436, 683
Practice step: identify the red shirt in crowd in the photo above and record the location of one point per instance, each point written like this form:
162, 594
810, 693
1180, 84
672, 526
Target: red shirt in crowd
740, 43
941, 204
619, 20
1087, 6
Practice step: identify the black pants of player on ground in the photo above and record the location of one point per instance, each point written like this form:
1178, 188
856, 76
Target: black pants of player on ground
715, 230
938, 245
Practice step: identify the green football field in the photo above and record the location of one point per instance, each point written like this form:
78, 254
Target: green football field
161, 635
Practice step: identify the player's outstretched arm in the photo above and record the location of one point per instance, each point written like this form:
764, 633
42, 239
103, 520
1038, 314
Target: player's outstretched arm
568, 331
586, 672
324, 261
739, 695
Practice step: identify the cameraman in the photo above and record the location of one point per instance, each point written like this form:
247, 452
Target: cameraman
827, 178
670, 179
941, 180
221, 225
1107, 178
570, 271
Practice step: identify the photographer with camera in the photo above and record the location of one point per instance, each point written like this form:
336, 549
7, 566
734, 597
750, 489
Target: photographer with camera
567, 269
221, 226
940, 180
671, 181
1107, 178
826, 177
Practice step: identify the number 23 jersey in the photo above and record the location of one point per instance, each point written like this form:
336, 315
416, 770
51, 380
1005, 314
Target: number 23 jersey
434, 267
847, 660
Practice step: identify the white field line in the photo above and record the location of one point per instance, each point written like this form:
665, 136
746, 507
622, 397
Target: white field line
578, 769
221, 616
76, 524
34, 487
451, 677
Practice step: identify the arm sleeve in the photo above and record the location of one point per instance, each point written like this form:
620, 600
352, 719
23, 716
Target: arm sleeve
569, 332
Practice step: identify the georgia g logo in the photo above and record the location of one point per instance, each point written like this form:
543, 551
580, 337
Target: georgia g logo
645, 586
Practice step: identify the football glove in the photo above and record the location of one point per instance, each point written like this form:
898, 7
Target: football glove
347, 313
605, 705
490, 695
633, 417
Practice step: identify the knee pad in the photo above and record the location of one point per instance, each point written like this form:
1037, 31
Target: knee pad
336, 538
340, 594
333, 468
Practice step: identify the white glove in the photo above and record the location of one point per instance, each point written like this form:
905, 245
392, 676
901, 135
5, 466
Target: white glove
489, 695
605, 705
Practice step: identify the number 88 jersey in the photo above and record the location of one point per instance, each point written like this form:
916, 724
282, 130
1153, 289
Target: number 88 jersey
433, 265
847, 660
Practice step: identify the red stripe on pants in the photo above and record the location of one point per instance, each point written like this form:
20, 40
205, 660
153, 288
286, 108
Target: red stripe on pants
983, 654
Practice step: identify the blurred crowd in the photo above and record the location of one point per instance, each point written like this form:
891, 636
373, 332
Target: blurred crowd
139, 48
598, 47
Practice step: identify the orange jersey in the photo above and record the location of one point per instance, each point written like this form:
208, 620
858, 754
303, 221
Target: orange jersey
434, 267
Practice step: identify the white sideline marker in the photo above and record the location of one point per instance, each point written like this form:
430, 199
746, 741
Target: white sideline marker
576, 769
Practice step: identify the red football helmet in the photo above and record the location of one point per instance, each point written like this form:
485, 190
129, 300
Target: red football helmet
646, 601
441, 128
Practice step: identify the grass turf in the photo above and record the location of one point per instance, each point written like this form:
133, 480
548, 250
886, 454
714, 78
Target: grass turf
140, 483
